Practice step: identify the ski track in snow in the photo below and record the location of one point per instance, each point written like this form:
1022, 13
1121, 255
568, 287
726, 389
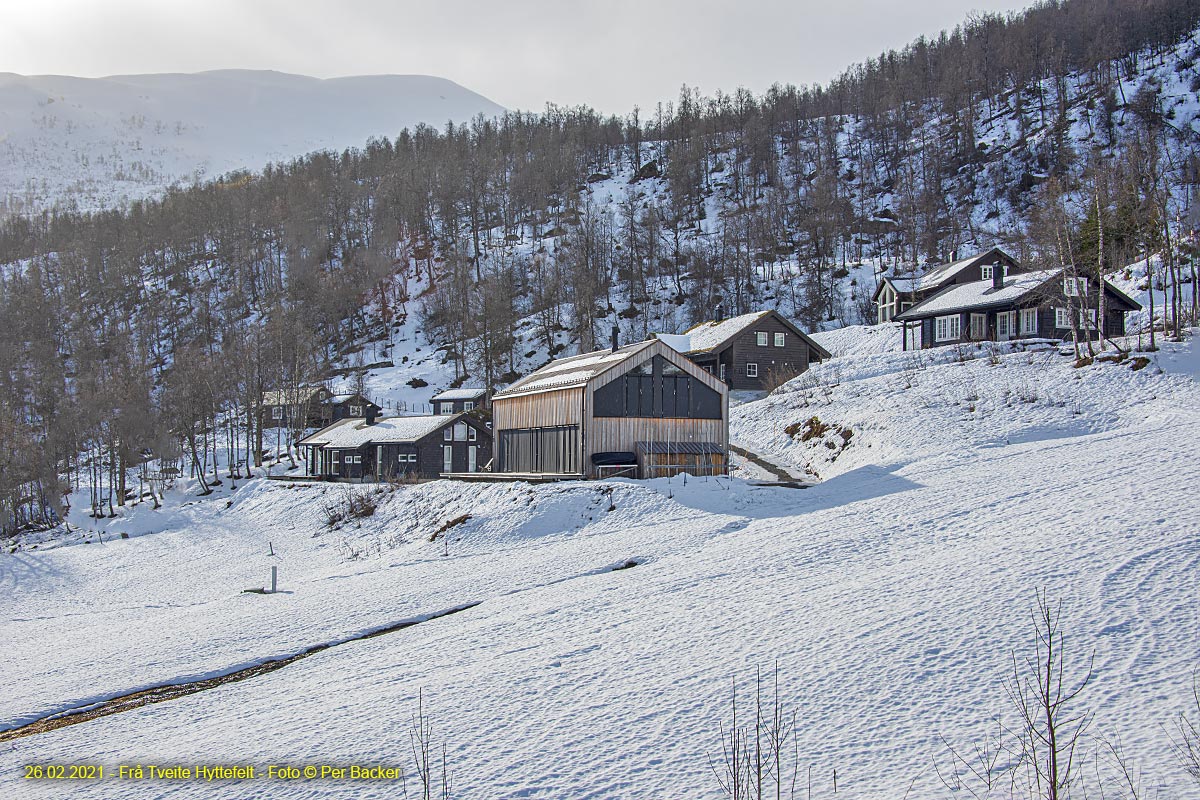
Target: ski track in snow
892, 594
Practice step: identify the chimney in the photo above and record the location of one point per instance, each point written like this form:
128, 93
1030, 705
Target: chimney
616, 332
997, 275
954, 255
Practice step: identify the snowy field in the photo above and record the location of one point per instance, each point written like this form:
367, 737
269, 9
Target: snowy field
892, 595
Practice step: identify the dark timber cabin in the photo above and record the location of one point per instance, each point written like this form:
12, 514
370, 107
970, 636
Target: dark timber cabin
1030, 305
352, 406
305, 407
751, 351
897, 294
641, 410
455, 401
424, 447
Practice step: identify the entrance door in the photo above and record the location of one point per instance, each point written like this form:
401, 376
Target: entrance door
472, 458
447, 458
1006, 325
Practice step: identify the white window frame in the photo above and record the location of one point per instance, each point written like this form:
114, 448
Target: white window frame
472, 434
980, 334
1062, 318
780, 339
447, 458
1003, 328
1075, 287
468, 405
412, 458
947, 328
460, 431
472, 459
751, 369
448, 433
760, 338
1087, 318
1029, 321
277, 412
446, 408
356, 411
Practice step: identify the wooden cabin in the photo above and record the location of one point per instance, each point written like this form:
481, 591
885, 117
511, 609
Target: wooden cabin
456, 401
641, 410
305, 407
753, 351
373, 450
896, 294
352, 406
1029, 305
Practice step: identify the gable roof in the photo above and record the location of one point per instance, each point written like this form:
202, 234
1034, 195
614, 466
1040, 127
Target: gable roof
293, 397
464, 393
937, 275
353, 433
345, 398
981, 294
572, 371
712, 335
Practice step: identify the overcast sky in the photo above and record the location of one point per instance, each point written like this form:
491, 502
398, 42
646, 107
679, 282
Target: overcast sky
611, 55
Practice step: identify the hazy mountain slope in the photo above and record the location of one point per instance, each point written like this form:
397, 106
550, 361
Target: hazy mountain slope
103, 141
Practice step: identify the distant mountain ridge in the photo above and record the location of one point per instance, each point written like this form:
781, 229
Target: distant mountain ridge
103, 142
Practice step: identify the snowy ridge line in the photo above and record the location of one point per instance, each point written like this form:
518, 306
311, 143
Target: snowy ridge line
180, 687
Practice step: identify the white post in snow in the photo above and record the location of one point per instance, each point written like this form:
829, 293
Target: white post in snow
274, 578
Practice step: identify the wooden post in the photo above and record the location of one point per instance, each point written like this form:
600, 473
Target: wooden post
274, 579
271, 548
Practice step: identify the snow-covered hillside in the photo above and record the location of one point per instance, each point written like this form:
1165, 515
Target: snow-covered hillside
102, 142
891, 594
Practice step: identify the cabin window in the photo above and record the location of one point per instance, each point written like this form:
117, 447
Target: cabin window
447, 434
1075, 287
277, 412
1029, 321
947, 328
468, 405
988, 270
779, 337
751, 370
447, 458
446, 408
761, 337
460, 431
356, 459
336, 456
472, 434
978, 327
356, 411
1062, 318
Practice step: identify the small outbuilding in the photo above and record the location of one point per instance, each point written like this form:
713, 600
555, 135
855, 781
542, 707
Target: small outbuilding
640, 410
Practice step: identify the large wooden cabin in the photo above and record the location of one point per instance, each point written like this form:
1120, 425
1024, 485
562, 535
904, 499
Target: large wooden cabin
639, 410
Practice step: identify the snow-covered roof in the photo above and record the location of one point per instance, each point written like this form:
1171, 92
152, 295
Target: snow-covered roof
351, 433
679, 342
936, 276
564, 373
342, 398
292, 397
980, 294
707, 335
464, 393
